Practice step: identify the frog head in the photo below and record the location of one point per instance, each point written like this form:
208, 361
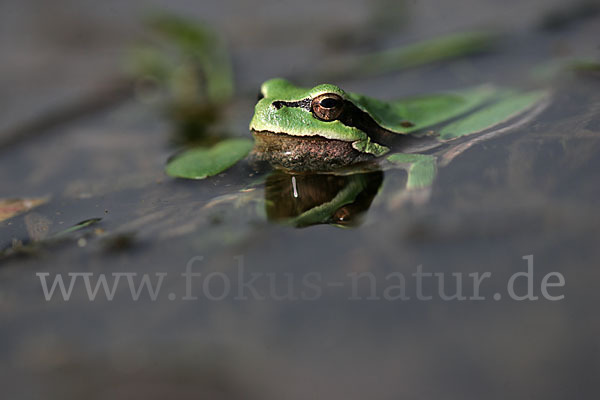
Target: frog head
323, 123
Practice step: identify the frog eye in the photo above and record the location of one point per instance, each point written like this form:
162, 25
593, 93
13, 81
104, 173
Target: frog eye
328, 106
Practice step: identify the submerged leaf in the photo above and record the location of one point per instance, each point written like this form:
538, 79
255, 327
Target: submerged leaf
76, 227
40, 239
201, 50
426, 52
37, 225
185, 68
421, 168
203, 162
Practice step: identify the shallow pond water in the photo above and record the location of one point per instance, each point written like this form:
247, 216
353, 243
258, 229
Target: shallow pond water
314, 310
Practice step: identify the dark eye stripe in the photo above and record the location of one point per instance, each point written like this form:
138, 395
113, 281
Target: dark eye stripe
304, 103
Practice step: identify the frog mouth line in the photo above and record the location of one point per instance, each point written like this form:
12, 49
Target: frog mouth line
297, 137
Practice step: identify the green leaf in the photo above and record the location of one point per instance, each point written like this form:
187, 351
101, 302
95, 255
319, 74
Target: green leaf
202, 49
554, 68
76, 227
423, 111
146, 61
185, 53
367, 146
425, 52
202, 162
186, 33
421, 170
509, 107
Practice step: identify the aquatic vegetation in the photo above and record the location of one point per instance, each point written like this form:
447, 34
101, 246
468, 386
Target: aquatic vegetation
189, 64
202, 162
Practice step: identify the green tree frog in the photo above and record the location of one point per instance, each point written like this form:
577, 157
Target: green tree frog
325, 128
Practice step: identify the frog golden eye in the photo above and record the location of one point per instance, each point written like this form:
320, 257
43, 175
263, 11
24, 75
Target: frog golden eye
328, 106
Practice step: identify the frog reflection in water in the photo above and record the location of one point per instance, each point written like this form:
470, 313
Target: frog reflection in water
309, 199
325, 129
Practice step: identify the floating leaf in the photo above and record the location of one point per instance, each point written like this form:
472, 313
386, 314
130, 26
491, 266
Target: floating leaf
202, 162
415, 113
505, 105
509, 107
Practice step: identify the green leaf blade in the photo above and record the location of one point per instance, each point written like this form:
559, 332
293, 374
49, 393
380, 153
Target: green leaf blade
423, 111
426, 52
202, 162
421, 168
509, 107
